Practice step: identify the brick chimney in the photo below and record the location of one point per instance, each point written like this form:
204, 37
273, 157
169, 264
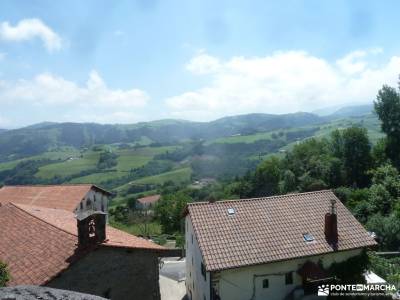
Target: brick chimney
331, 229
91, 228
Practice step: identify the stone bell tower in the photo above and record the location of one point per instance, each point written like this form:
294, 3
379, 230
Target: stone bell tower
91, 228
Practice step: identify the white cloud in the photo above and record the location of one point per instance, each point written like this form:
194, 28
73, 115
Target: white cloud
355, 61
4, 123
92, 101
203, 64
282, 82
28, 29
111, 117
48, 89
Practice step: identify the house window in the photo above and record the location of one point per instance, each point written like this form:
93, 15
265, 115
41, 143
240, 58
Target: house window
192, 238
203, 271
81, 205
265, 283
289, 278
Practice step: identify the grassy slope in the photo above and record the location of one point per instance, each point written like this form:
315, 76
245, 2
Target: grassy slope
153, 228
133, 158
77, 164
178, 175
127, 159
61, 154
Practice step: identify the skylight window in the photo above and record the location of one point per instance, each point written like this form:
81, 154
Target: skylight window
308, 237
231, 211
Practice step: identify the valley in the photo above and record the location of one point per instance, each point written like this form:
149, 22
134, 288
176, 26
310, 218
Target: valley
140, 158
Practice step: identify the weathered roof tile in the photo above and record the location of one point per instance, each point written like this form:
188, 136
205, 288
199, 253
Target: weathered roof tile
38, 243
270, 229
65, 197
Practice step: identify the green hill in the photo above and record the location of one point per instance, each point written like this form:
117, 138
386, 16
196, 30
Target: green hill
138, 158
36, 139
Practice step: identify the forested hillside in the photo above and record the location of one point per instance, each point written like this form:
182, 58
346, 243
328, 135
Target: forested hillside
43, 137
119, 156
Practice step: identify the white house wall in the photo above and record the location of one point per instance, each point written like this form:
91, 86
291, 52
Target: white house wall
246, 282
196, 285
93, 200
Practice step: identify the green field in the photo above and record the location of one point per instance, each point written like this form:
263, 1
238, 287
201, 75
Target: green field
370, 122
71, 166
68, 161
127, 159
243, 138
177, 176
59, 154
152, 228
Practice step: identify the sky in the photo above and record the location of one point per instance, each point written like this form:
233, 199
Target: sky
142, 60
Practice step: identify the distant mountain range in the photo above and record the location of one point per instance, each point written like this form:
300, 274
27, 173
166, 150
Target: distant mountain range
347, 111
41, 137
353, 111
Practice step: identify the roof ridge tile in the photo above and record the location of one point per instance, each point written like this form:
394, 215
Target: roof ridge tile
258, 198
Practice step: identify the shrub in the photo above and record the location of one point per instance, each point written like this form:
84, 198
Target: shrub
4, 274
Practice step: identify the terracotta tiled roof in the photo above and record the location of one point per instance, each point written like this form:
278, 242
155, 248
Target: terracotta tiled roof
149, 199
264, 230
66, 221
38, 243
33, 250
65, 197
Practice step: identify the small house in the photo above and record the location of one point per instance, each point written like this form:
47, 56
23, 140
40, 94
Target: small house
148, 202
277, 247
58, 237
76, 198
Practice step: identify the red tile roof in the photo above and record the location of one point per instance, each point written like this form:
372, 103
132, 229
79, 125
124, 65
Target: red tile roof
38, 243
149, 199
65, 197
66, 221
33, 250
264, 230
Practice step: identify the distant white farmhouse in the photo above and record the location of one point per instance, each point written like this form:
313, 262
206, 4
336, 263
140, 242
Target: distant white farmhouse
268, 248
147, 202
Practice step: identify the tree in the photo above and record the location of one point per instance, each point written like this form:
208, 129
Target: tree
4, 274
387, 230
131, 203
169, 210
356, 156
337, 143
378, 153
385, 189
387, 107
311, 162
267, 177
288, 183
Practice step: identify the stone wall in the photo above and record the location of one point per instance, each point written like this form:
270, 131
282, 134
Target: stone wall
114, 273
